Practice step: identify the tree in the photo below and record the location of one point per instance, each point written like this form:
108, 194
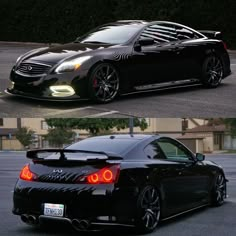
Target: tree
59, 136
231, 123
95, 125
25, 136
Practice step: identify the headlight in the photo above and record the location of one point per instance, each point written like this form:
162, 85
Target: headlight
73, 65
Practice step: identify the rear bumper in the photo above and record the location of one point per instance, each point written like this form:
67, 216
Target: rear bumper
101, 204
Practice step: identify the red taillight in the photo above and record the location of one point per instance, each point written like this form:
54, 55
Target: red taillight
225, 46
106, 175
26, 174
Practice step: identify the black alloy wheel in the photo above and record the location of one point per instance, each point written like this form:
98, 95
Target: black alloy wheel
212, 72
219, 191
149, 210
104, 83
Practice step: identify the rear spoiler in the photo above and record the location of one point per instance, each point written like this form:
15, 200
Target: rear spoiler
212, 34
33, 154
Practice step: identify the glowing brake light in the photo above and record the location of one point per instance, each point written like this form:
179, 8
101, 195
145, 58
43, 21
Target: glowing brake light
26, 174
225, 46
106, 175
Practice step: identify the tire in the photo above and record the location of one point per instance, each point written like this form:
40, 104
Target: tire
148, 210
212, 72
104, 83
219, 190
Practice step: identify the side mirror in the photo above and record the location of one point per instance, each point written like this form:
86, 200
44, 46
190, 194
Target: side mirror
143, 42
200, 157
146, 41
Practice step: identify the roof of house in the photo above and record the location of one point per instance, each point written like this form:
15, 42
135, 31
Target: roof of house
192, 136
208, 128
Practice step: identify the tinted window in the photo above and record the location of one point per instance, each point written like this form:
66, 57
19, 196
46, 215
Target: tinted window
117, 146
153, 151
185, 34
174, 150
161, 33
112, 34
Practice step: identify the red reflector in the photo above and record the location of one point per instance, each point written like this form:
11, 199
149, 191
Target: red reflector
225, 46
26, 174
106, 175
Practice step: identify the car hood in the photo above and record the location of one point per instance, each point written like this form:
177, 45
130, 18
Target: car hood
54, 55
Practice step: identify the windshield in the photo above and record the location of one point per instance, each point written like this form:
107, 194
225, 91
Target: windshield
116, 146
111, 34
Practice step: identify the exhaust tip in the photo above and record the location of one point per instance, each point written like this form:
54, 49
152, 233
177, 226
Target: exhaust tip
32, 220
80, 225
24, 218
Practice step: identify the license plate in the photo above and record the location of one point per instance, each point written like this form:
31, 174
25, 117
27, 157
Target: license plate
53, 209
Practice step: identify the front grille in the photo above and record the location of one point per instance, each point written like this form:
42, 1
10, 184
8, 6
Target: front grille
33, 69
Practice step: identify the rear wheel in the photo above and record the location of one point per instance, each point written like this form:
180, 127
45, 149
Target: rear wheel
104, 83
219, 191
212, 72
148, 210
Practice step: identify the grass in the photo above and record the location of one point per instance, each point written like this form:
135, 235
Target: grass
230, 151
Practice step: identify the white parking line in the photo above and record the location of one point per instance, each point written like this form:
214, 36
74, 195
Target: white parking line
101, 114
67, 111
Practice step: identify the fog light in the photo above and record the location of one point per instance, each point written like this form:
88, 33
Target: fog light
62, 91
12, 84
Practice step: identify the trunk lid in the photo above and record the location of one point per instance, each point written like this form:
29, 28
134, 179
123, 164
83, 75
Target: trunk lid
68, 166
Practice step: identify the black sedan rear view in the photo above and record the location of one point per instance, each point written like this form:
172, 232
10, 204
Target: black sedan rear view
134, 181
120, 58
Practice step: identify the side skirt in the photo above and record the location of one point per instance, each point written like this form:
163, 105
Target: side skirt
184, 212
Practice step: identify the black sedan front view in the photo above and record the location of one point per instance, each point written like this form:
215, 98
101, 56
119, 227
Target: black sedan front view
130, 180
121, 58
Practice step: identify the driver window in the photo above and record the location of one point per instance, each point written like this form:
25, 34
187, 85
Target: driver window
174, 150
160, 33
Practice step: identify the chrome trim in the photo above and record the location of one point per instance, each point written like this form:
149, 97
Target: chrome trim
37, 63
27, 75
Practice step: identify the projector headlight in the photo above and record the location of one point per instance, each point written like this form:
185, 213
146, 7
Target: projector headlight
69, 66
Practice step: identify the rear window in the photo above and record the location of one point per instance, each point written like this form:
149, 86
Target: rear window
117, 146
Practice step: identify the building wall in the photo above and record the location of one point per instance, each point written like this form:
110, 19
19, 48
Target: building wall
9, 123
159, 125
208, 144
11, 144
229, 142
192, 122
35, 124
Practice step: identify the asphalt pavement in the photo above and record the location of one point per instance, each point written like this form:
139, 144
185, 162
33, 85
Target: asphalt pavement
193, 101
219, 221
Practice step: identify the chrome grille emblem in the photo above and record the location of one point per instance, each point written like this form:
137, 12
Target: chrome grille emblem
29, 68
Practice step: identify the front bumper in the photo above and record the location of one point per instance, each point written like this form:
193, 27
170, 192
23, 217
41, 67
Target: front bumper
39, 87
99, 204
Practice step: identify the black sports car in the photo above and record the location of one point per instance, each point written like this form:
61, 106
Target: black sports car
121, 58
131, 180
